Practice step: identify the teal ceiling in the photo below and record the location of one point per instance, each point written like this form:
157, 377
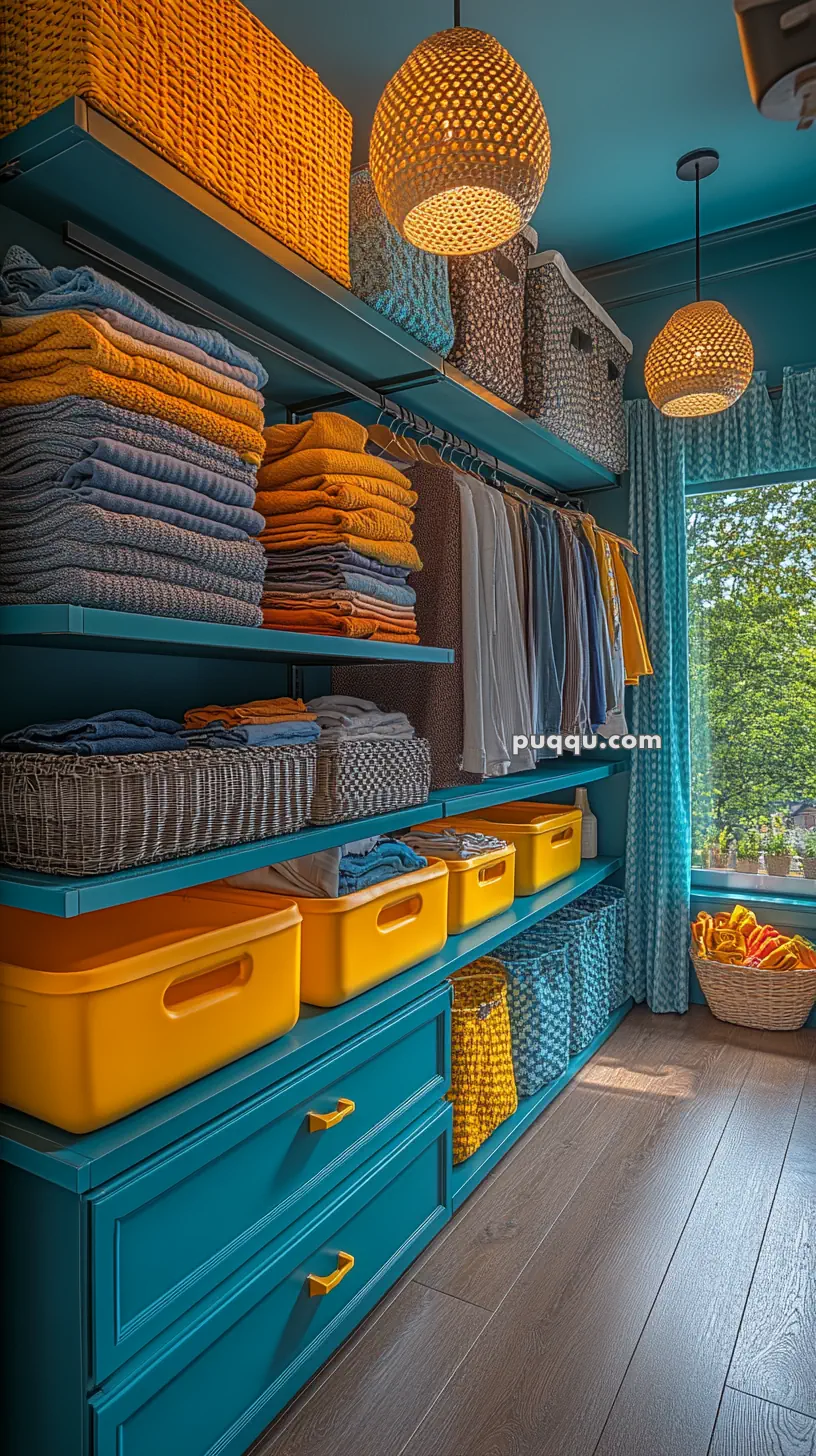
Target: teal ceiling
628, 86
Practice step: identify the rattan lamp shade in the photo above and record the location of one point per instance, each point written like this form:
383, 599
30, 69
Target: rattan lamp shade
700, 363
460, 146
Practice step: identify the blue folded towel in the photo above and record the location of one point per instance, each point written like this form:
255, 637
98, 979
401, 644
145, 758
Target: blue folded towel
28, 288
389, 859
124, 730
59, 431
18, 507
100, 475
313, 583
252, 735
329, 558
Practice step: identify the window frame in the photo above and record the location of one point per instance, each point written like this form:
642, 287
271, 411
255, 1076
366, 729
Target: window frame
731, 882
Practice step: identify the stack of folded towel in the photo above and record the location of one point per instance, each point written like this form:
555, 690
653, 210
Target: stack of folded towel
337, 533
451, 843
129, 443
264, 723
333, 872
349, 720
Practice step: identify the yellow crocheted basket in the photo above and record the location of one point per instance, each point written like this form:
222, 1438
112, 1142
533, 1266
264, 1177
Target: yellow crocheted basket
208, 87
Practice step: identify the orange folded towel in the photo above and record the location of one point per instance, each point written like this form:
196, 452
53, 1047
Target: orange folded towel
325, 430
375, 471
377, 525
347, 496
261, 710
349, 604
332, 624
292, 538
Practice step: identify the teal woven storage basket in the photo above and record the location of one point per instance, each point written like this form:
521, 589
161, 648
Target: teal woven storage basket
611, 904
577, 928
408, 286
538, 996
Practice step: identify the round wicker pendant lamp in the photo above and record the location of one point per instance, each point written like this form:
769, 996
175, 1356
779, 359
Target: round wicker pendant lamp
702, 359
460, 146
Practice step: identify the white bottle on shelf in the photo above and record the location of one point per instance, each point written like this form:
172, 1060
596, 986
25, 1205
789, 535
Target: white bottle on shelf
589, 826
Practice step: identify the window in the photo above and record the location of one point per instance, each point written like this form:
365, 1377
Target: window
752, 650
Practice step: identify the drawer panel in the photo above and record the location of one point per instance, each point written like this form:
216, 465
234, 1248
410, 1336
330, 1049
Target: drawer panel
163, 1239
252, 1347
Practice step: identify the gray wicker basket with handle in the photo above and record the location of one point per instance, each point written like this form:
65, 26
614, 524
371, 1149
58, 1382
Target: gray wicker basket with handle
370, 776
74, 815
575, 360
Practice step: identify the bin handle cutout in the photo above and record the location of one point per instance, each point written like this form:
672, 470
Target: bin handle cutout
320, 1121
492, 872
192, 993
325, 1283
562, 836
400, 913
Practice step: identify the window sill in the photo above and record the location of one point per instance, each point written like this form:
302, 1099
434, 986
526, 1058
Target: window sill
788, 888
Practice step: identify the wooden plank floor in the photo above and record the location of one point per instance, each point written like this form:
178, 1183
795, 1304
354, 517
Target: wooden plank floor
636, 1278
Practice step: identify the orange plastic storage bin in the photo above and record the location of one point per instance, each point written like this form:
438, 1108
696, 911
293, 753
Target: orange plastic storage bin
478, 888
206, 85
104, 1013
357, 941
547, 839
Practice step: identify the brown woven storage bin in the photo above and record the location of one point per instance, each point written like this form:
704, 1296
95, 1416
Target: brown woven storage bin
487, 302
208, 87
372, 776
77, 815
769, 1000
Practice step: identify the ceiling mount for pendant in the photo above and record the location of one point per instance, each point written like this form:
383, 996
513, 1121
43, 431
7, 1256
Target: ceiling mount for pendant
702, 360
460, 146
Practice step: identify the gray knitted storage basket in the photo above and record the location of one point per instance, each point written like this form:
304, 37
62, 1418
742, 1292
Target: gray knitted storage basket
407, 285
371, 776
487, 298
575, 359
75, 815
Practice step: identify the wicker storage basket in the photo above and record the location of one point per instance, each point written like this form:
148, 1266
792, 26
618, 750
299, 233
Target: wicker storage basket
407, 285
610, 905
74, 815
483, 1086
371, 776
208, 87
575, 360
538, 999
487, 298
745, 996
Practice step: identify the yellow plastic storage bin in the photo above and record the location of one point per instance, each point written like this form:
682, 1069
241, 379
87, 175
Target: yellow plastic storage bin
104, 1013
547, 839
357, 941
478, 888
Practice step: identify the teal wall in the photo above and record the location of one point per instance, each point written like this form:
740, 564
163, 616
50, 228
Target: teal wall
765, 273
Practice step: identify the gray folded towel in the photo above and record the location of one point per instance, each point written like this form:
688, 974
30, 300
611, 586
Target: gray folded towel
132, 594
19, 568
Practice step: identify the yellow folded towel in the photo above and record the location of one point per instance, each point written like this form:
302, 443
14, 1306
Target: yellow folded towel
290, 469
290, 538
377, 525
325, 430
347, 496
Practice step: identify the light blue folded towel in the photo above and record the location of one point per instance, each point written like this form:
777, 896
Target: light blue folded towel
59, 431
98, 473
27, 288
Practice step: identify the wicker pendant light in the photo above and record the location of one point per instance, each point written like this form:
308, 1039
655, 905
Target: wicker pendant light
460, 147
702, 360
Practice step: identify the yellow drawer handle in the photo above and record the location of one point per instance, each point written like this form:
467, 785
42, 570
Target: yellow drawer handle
324, 1284
319, 1121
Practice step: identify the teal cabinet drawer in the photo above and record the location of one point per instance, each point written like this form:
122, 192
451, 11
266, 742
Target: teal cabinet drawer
250, 1348
165, 1236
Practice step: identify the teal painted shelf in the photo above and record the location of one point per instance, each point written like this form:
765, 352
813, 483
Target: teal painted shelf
93, 627
84, 1162
468, 1175
73, 165
543, 781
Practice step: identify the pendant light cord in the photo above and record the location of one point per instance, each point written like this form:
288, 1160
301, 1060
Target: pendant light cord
697, 225
457, 20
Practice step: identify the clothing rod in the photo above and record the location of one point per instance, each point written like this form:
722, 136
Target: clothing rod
132, 268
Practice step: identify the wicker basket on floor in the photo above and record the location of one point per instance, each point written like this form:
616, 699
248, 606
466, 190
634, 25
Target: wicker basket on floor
75, 815
748, 996
370, 776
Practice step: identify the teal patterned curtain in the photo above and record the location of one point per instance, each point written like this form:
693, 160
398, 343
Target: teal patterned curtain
757, 436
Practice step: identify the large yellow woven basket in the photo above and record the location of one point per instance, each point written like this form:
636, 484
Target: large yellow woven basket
747, 996
208, 87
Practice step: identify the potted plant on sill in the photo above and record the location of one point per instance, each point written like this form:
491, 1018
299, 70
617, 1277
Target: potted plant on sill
748, 853
809, 854
777, 854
